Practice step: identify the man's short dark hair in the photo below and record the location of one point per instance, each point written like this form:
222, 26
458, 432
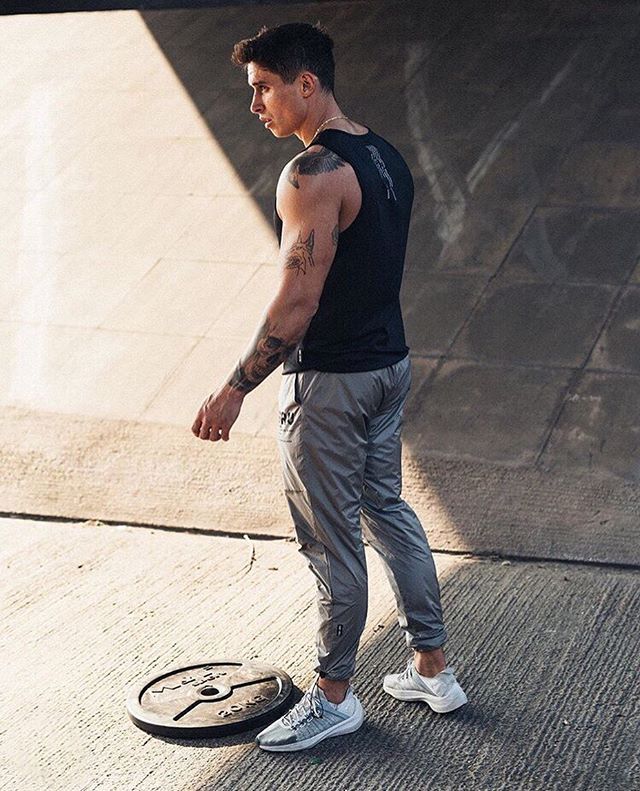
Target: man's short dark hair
288, 50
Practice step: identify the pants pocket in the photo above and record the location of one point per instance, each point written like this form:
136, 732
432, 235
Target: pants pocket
288, 407
297, 385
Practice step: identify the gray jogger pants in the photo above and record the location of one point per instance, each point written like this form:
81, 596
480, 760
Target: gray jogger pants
340, 449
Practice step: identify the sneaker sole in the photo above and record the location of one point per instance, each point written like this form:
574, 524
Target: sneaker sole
341, 728
439, 705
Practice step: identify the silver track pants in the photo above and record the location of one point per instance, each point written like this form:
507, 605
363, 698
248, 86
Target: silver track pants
340, 449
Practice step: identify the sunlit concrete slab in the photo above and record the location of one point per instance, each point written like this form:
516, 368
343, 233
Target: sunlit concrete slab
203, 288
45, 110
90, 610
153, 228
228, 228
101, 372
117, 166
69, 221
31, 356
535, 324
195, 168
73, 289
146, 114
240, 315
213, 360
30, 162
162, 475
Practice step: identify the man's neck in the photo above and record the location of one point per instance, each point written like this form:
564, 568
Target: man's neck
316, 119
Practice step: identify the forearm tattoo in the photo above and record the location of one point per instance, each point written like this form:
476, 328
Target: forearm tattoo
313, 162
265, 355
300, 255
335, 234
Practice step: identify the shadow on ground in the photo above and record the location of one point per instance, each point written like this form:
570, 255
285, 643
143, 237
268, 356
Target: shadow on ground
531, 645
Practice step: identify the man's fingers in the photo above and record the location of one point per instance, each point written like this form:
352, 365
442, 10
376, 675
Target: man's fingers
215, 434
214, 424
198, 422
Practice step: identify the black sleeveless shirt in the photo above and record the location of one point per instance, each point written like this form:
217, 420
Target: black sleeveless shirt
358, 325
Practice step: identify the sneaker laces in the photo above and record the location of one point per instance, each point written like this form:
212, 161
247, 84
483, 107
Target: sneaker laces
306, 709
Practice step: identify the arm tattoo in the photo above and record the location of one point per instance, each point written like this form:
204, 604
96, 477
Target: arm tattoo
300, 255
265, 355
334, 235
313, 162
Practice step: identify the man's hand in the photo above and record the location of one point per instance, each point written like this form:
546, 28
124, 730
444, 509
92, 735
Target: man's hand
217, 414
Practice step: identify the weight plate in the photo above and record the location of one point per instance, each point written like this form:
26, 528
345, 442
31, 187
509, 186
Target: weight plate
210, 699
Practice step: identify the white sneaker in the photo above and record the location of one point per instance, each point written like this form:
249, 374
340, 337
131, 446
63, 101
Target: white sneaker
311, 720
442, 692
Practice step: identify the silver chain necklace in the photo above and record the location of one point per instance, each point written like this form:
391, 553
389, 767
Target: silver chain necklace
328, 121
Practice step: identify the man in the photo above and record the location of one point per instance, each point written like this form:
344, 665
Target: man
342, 214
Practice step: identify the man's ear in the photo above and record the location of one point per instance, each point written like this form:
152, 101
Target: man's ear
308, 83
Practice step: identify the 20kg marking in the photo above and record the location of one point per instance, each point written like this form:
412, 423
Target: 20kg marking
234, 708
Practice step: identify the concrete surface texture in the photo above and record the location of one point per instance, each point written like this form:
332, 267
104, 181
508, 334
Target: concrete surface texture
90, 610
136, 256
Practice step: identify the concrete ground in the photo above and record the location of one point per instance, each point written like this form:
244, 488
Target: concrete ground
136, 256
547, 653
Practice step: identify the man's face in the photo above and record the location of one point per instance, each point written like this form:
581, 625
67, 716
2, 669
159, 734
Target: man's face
278, 105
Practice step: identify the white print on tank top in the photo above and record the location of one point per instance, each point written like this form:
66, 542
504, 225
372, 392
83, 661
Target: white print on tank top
378, 161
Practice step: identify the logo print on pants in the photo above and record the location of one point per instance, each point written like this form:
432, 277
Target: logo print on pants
286, 418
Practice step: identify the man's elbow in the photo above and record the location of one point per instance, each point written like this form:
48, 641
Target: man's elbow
308, 307
294, 312
302, 306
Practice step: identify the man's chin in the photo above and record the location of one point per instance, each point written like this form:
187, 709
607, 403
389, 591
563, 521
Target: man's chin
280, 132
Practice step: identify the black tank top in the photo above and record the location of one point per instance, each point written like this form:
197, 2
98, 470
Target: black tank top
358, 325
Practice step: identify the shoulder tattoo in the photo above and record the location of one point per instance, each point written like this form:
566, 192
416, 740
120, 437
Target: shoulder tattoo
311, 163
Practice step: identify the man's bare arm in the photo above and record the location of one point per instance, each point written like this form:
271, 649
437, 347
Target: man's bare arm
289, 315
309, 210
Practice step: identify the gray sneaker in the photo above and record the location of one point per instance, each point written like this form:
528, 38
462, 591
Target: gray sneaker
442, 692
311, 720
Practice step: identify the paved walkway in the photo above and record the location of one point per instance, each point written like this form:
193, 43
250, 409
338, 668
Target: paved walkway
547, 654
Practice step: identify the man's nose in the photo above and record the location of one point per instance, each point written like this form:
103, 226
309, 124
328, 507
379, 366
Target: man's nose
256, 105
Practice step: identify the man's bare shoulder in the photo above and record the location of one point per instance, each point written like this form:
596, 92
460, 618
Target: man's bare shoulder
313, 161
